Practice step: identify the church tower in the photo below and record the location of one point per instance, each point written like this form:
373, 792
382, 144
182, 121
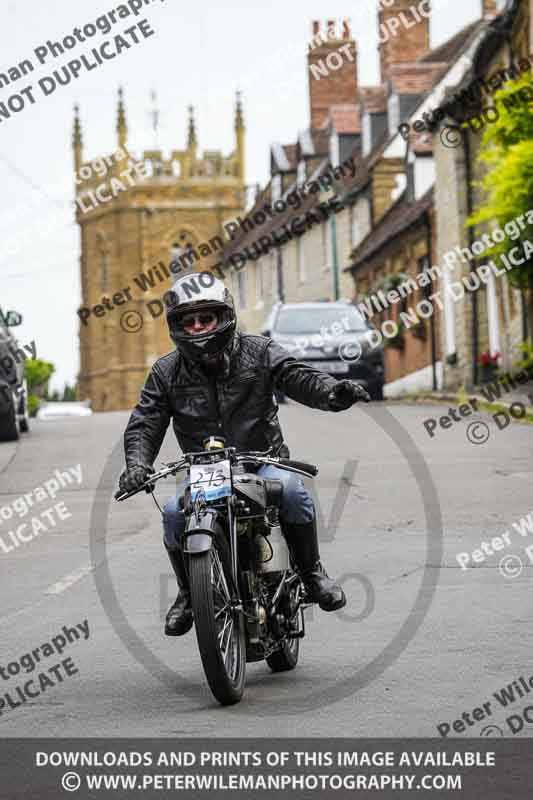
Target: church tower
144, 222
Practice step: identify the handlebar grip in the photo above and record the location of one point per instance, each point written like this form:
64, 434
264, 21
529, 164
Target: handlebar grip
310, 468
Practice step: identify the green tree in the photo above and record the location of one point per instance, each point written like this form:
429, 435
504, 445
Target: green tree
69, 393
506, 155
38, 373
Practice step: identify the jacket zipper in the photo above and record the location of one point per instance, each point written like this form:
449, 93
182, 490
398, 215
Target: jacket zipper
217, 404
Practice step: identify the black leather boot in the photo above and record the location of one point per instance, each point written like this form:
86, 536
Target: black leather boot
179, 618
320, 588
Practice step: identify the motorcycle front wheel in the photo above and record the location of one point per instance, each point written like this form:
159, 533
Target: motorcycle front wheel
219, 627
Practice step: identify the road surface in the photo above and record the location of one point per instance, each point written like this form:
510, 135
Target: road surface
421, 642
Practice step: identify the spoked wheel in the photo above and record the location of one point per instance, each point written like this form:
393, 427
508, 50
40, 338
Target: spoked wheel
219, 627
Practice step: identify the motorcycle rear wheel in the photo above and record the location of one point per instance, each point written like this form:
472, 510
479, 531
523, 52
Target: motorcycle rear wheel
219, 628
286, 657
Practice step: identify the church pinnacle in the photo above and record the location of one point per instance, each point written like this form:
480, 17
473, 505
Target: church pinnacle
77, 142
192, 141
122, 128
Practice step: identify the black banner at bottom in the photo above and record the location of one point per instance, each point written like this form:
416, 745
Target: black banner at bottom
51, 769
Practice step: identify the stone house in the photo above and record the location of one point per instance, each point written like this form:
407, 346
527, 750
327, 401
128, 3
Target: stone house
493, 318
346, 122
397, 249
366, 240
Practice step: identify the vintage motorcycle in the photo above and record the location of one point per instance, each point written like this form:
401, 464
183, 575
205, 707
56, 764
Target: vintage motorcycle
246, 598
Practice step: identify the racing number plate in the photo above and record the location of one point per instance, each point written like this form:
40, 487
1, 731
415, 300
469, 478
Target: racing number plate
213, 479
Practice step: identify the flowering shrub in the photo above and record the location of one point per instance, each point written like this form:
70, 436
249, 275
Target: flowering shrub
489, 359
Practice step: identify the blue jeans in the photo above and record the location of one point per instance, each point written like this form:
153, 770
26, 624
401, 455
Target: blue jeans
296, 506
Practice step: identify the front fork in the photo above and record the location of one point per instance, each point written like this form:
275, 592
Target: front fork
232, 525
200, 532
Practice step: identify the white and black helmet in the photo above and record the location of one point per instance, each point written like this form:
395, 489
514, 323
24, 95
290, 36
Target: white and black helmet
200, 291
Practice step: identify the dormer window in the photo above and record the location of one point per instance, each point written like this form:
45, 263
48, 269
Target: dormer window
367, 133
393, 112
334, 149
276, 188
421, 174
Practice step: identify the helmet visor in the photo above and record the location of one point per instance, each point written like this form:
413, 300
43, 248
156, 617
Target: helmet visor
197, 321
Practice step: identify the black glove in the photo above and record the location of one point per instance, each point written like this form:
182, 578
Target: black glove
133, 478
345, 394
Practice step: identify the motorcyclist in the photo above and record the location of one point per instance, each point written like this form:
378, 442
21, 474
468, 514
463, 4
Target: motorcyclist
220, 381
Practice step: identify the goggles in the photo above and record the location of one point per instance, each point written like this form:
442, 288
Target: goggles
203, 317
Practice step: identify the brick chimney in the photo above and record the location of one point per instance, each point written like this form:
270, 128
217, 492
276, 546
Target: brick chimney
490, 9
332, 68
403, 33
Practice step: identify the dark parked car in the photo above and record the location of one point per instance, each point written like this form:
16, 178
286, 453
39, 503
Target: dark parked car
14, 416
333, 337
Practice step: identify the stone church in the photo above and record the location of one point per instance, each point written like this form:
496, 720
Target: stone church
137, 218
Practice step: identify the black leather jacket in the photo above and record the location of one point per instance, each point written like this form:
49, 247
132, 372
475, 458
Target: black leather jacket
234, 401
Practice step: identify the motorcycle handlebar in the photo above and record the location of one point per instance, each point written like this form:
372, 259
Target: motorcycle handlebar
148, 486
300, 465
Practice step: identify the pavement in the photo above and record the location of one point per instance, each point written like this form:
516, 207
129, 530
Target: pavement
521, 394
421, 642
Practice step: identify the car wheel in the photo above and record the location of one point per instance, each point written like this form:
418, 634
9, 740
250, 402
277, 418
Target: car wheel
9, 423
377, 394
24, 414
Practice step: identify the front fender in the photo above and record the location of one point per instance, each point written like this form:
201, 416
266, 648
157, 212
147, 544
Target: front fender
199, 532
196, 543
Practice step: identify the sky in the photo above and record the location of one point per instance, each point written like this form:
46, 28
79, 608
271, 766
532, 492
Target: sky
200, 53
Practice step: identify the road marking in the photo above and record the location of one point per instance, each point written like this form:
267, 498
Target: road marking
62, 585
55, 589
69, 580
21, 611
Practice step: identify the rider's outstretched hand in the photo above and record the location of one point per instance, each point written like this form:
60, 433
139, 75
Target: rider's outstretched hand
345, 394
133, 478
